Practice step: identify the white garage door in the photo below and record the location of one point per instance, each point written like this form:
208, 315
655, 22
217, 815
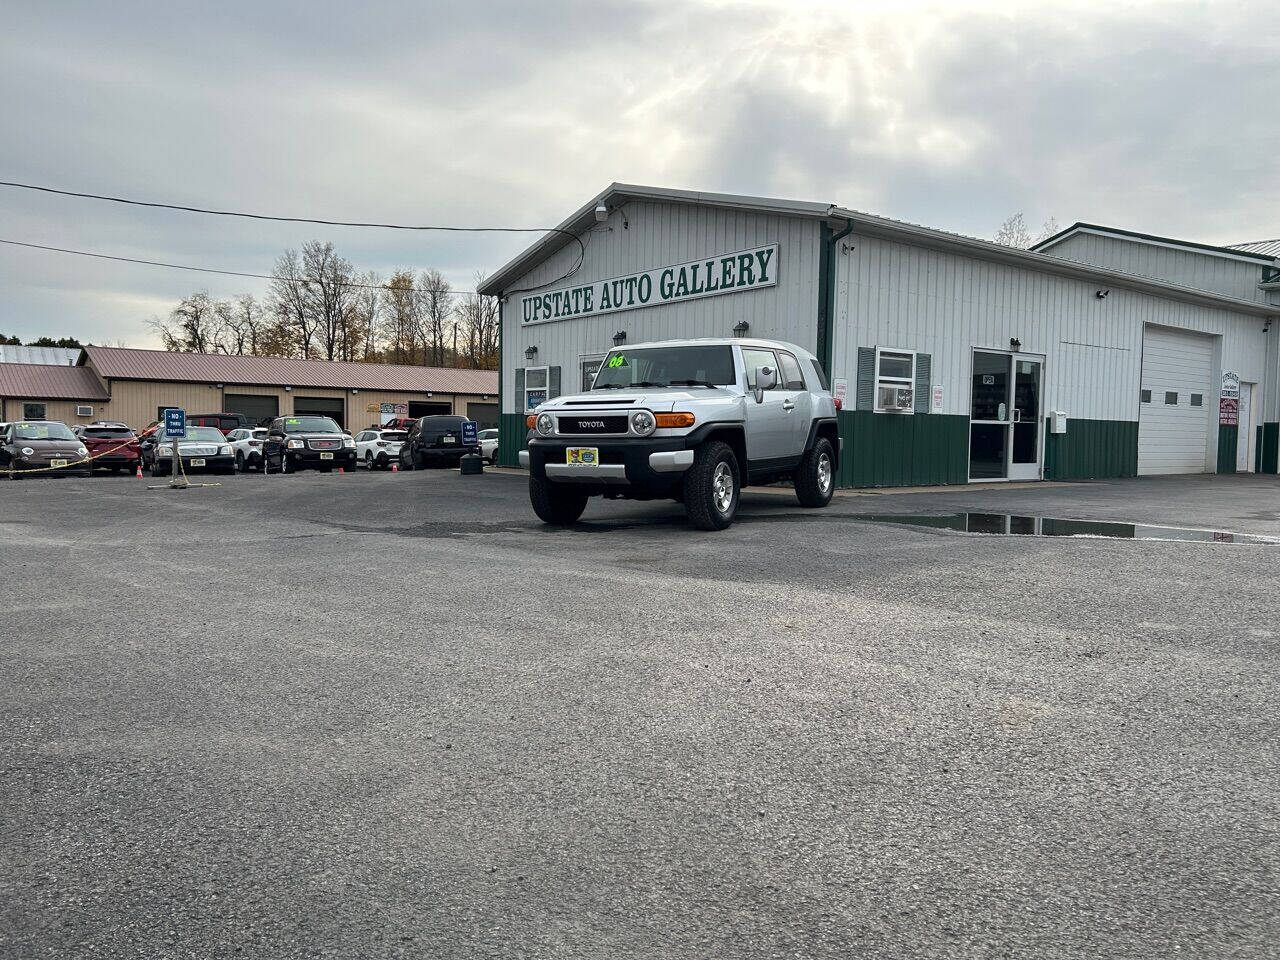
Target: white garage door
1173, 422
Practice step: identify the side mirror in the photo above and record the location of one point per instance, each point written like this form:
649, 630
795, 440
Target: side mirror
766, 379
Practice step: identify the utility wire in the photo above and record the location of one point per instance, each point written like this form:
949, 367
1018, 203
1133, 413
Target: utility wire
225, 273
582, 250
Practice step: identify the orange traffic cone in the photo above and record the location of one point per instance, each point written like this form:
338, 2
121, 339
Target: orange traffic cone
138, 473
341, 470
395, 466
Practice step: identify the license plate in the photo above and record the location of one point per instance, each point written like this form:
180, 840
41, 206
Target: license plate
197, 461
447, 439
583, 456
57, 463
326, 456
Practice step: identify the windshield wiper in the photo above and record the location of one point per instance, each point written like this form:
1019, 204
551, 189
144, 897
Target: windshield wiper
648, 383
693, 383
607, 386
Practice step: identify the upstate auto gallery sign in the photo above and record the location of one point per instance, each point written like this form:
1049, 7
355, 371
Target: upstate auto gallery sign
726, 273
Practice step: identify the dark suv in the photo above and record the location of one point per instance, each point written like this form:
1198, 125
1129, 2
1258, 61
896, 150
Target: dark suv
226, 422
306, 442
436, 440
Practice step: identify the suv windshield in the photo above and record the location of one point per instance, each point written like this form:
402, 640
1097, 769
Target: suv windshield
310, 425
710, 366
42, 431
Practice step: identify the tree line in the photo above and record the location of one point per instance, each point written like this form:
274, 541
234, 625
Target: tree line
318, 306
68, 343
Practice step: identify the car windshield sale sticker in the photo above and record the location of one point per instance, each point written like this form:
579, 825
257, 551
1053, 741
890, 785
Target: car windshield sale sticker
734, 272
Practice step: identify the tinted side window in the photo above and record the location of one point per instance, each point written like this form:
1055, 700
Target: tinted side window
790, 375
753, 359
822, 374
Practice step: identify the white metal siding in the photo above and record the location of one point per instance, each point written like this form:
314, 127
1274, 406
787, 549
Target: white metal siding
1174, 437
660, 234
893, 294
1187, 268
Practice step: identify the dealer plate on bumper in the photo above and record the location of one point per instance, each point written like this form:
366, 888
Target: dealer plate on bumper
197, 461
582, 456
57, 463
326, 456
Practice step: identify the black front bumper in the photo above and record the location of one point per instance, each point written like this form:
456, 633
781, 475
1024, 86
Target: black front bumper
311, 460
216, 464
630, 452
449, 454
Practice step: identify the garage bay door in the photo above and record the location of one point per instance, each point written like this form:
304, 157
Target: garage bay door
484, 414
256, 408
1173, 419
321, 406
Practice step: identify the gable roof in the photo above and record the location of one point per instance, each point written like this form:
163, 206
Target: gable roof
1233, 253
46, 381
62, 356
1269, 248
123, 363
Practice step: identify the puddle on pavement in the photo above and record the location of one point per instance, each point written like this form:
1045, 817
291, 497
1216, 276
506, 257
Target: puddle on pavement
1012, 524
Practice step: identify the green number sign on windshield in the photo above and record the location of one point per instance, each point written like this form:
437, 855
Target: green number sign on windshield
617, 360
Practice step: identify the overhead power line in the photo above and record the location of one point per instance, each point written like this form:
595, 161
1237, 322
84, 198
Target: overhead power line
225, 273
582, 250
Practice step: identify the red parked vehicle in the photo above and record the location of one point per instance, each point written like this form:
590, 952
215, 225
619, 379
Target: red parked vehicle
111, 445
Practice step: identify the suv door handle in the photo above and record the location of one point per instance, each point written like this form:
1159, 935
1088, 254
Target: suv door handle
788, 405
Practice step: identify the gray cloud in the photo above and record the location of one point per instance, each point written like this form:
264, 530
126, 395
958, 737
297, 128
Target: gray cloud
1146, 116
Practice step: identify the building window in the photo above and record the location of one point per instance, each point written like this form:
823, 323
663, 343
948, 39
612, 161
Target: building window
1146, 396
590, 367
535, 387
895, 380
1197, 399
33, 411
1171, 398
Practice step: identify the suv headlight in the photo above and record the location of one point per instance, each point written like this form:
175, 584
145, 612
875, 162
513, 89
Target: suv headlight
296, 444
546, 424
349, 442
642, 422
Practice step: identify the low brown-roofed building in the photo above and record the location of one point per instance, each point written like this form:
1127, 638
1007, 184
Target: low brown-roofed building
133, 386
37, 391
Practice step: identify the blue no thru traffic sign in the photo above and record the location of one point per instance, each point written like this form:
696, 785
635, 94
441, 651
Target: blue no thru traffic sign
175, 423
469, 433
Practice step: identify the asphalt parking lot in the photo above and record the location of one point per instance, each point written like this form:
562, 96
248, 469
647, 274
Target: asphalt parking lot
392, 715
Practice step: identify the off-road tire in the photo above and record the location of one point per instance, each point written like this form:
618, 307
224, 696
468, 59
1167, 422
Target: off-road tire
554, 503
815, 478
703, 493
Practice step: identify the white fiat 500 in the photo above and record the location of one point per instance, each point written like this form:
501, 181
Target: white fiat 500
377, 448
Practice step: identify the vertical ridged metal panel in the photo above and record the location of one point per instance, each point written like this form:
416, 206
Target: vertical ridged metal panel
1203, 270
893, 294
658, 235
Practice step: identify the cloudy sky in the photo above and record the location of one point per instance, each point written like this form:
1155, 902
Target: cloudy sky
1159, 117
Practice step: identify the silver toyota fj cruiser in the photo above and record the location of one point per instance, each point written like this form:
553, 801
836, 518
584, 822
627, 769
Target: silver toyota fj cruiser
692, 420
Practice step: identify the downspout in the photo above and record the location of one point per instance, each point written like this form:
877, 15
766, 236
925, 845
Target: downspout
827, 288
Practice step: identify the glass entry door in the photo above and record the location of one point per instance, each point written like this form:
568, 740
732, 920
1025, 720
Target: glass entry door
1005, 416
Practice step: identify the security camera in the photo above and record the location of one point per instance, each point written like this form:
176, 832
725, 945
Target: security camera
602, 212
1102, 294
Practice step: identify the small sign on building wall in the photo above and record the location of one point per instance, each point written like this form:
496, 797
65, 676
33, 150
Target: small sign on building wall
839, 390
935, 402
1229, 412
1231, 384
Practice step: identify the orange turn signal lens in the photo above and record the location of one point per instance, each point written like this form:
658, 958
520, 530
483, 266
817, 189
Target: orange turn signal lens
674, 419
531, 420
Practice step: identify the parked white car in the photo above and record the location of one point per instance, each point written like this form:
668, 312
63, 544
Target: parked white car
247, 444
489, 444
377, 448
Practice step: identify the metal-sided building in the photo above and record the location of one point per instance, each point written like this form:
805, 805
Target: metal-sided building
957, 359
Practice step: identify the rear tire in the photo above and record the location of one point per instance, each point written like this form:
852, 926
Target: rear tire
555, 504
711, 487
240, 467
815, 477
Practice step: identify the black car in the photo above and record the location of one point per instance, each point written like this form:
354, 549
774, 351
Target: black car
306, 443
436, 441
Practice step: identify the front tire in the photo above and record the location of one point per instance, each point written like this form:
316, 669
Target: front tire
240, 466
815, 477
555, 504
368, 461
711, 487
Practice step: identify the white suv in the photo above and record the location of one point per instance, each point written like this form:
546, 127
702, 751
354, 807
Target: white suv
247, 444
693, 420
377, 448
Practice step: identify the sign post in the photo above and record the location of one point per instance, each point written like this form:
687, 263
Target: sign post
175, 428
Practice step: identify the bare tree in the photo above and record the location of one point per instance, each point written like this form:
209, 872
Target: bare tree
290, 303
478, 321
1014, 233
193, 326
436, 297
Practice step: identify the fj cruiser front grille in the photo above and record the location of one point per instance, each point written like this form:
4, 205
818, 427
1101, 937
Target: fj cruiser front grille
588, 425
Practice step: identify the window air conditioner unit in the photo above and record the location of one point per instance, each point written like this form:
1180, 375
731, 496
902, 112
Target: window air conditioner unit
896, 398
84, 411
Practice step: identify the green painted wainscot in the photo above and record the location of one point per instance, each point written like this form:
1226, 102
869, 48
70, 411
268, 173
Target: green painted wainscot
1269, 448
512, 434
882, 450
1092, 450
1228, 440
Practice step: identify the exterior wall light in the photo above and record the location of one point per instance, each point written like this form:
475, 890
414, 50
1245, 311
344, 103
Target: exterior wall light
530, 353
1015, 343
740, 330
620, 338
